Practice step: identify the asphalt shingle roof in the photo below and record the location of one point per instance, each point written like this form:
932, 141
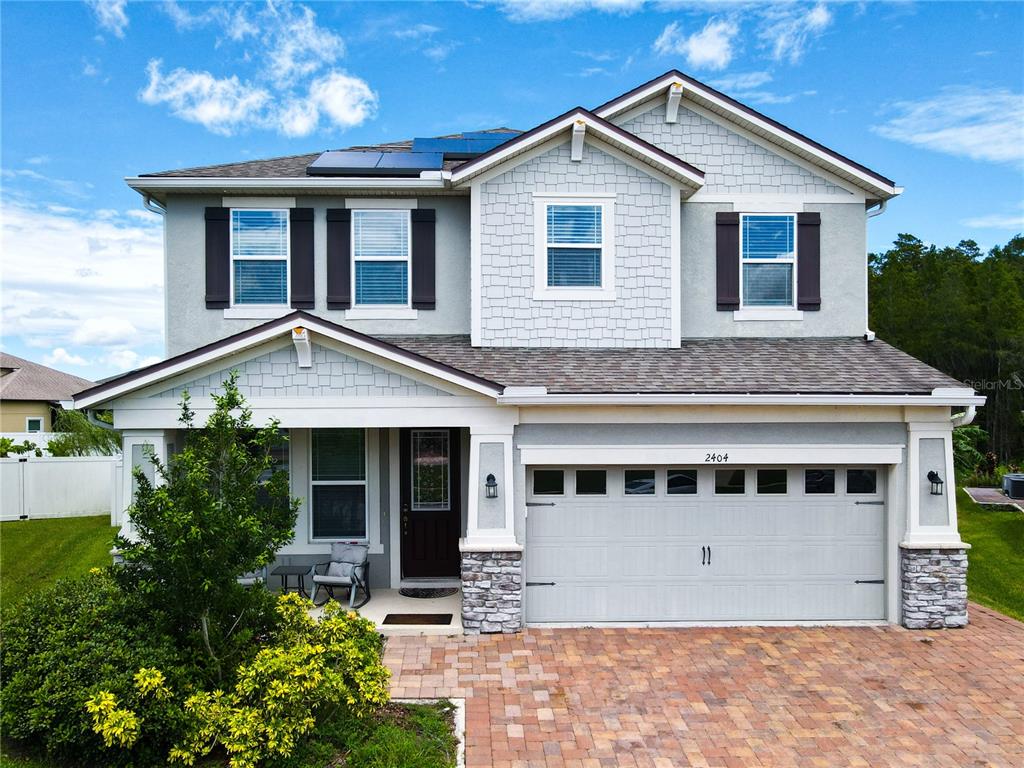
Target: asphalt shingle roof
292, 166
32, 381
723, 366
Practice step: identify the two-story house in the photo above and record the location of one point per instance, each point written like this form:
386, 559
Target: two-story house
613, 369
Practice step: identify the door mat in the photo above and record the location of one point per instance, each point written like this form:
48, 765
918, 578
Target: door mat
441, 619
427, 592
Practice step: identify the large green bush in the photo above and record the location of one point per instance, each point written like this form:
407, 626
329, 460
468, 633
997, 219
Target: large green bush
65, 644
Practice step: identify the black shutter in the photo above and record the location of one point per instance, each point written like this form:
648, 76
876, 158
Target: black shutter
727, 254
339, 258
303, 296
808, 261
423, 260
218, 259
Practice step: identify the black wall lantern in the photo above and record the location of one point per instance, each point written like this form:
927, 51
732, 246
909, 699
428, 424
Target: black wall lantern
491, 486
936, 481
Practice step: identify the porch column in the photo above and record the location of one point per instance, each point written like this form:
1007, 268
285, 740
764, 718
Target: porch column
136, 446
933, 559
492, 560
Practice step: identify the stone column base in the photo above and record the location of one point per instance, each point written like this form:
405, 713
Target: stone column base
492, 592
934, 584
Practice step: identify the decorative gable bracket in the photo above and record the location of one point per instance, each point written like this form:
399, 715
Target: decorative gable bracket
579, 130
675, 95
304, 350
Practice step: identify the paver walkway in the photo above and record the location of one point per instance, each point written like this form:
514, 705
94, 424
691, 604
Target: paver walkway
858, 696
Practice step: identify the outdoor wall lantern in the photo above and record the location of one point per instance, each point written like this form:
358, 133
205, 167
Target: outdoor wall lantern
936, 481
491, 486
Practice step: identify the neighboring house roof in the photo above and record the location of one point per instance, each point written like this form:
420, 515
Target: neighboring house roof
749, 118
295, 165
765, 366
24, 380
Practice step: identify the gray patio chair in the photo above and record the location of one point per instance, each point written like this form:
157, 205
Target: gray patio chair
348, 568
259, 577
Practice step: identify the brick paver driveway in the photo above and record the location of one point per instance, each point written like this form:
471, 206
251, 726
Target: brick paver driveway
731, 697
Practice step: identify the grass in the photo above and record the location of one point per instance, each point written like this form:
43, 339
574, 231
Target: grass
35, 553
398, 736
995, 563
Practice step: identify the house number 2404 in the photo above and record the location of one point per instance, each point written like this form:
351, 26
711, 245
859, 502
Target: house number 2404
716, 458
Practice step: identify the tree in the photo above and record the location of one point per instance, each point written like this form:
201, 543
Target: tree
219, 508
77, 436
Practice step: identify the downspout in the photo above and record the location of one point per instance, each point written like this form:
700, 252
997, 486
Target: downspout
153, 206
872, 211
965, 418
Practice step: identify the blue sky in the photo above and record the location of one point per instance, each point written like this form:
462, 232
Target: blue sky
929, 94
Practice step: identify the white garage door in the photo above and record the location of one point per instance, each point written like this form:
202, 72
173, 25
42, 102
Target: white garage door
741, 544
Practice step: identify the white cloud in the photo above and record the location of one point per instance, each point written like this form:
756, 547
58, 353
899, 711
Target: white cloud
741, 81
551, 10
966, 121
68, 187
221, 105
89, 69
128, 359
62, 274
1010, 221
711, 48
296, 45
416, 32
787, 28
61, 356
346, 100
110, 15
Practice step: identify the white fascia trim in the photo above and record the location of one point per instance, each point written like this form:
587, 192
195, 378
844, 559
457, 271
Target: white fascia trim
475, 267
180, 183
684, 175
742, 117
740, 399
387, 203
709, 454
272, 332
258, 202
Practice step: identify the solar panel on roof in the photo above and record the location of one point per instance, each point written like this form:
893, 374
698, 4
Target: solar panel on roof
457, 149
503, 135
369, 163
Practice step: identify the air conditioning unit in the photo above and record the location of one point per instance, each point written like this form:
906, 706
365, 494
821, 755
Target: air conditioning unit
1013, 485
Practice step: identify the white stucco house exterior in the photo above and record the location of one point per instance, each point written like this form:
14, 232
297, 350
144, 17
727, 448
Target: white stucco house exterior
614, 369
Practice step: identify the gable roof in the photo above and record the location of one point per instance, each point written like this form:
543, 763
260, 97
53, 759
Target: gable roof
756, 122
24, 380
689, 175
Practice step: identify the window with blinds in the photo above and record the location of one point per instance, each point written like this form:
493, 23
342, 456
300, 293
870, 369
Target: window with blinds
768, 255
338, 484
259, 256
574, 246
381, 245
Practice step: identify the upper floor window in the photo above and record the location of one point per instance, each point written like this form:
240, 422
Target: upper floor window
259, 256
768, 251
380, 247
575, 248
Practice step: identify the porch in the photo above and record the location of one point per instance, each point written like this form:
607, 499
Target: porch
441, 616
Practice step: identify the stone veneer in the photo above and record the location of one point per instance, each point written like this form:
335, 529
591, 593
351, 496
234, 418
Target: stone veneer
492, 592
934, 583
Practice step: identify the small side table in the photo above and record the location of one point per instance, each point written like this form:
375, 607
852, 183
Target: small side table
299, 571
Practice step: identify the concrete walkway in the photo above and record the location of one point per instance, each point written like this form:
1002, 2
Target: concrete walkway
872, 696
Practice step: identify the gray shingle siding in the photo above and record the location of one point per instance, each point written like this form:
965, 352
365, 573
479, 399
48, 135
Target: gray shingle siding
731, 162
276, 374
640, 316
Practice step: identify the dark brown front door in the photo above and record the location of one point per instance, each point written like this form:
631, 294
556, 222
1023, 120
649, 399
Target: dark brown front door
431, 518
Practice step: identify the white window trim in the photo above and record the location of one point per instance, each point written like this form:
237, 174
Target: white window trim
783, 495
625, 491
382, 311
746, 483
543, 495
836, 472
696, 472
541, 290
28, 423
365, 482
758, 311
259, 311
575, 491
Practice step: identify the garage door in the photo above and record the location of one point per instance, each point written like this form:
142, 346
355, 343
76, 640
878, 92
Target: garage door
748, 544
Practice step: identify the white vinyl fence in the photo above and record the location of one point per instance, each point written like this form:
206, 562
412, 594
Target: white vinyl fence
33, 487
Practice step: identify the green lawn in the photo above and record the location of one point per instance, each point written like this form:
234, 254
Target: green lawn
35, 553
995, 570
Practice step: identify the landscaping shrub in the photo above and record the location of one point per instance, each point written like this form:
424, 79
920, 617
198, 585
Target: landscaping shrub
65, 644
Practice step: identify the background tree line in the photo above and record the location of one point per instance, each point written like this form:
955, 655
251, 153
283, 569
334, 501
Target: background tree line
961, 311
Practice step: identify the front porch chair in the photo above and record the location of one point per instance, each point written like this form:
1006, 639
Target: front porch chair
348, 568
254, 578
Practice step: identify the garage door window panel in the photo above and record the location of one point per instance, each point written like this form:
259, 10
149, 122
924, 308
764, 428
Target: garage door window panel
730, 482
591, 482
548, 482
771, 482
820, 482
682, 482
861, 481
639, 482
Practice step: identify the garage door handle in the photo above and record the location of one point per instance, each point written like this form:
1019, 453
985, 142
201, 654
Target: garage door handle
703, 555
869, 581
871, 503
540, 503
540, 583
709, 555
